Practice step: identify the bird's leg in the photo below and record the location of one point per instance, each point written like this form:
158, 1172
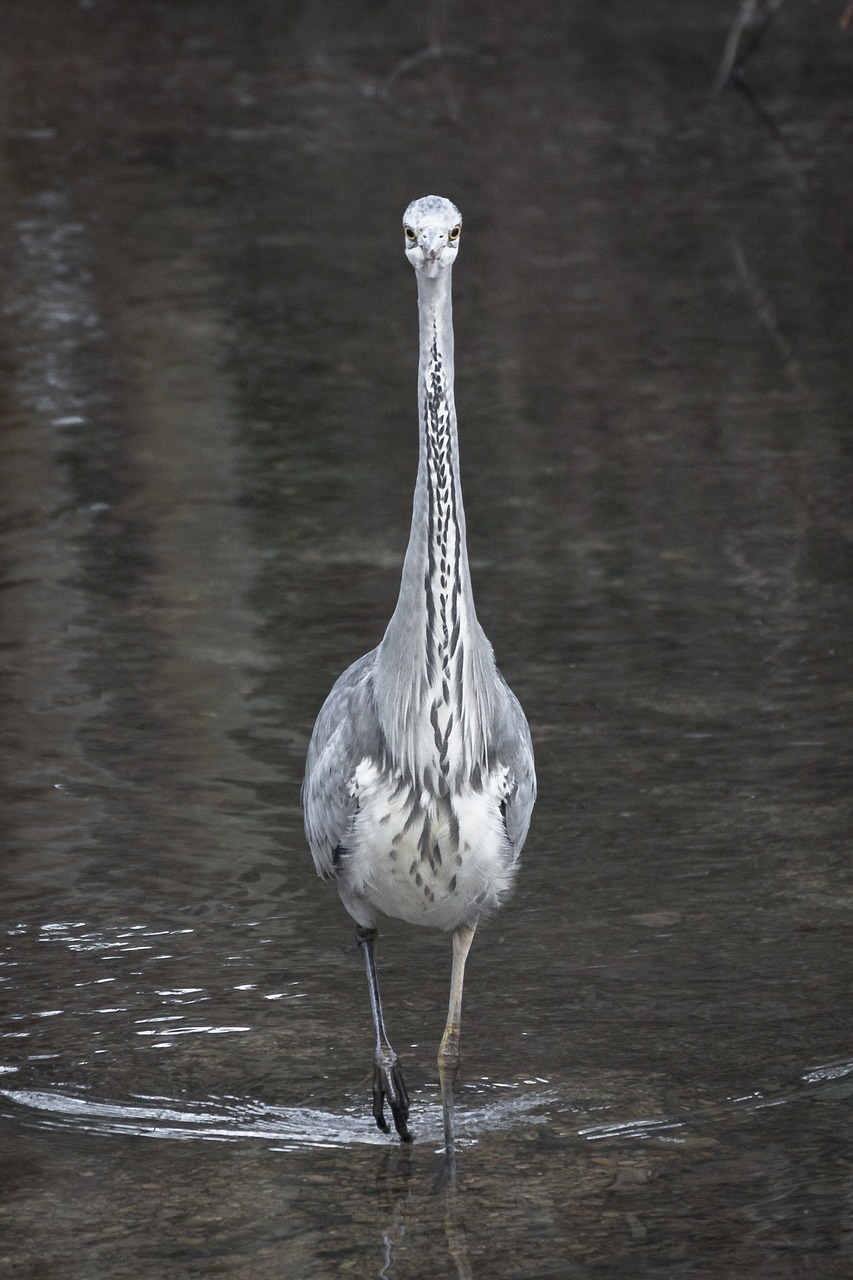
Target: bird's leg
388, 1079
448, 1052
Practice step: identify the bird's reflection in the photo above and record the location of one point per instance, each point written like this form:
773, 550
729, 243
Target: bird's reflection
394, 1182
447, 1076
454, 1221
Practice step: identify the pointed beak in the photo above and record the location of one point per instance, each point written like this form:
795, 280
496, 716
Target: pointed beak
433, 243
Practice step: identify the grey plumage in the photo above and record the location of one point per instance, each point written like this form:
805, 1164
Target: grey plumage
419, 781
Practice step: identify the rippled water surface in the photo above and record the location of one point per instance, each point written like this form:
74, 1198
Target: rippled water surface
207, 439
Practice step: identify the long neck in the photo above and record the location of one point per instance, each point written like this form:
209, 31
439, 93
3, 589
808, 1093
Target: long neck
432, 660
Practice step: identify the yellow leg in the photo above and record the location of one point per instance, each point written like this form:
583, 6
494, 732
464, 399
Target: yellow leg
448, 1053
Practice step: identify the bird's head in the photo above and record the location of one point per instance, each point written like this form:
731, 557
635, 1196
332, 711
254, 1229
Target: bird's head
432, 227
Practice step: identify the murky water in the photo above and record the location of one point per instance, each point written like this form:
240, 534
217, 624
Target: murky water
208, 441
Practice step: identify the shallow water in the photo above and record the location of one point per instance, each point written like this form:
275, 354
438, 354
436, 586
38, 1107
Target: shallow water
208, 443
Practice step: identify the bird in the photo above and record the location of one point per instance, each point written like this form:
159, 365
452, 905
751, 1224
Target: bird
419, 778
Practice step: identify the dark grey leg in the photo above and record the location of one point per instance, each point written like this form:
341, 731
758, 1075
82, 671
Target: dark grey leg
388, 1079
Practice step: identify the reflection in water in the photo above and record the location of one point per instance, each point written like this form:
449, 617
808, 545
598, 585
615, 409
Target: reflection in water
447, 1079
454, 1219
412, 1197
394, 1182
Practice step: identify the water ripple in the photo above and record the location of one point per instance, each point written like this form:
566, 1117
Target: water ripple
232, 1119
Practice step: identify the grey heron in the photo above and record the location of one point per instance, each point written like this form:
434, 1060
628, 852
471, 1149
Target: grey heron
419, 781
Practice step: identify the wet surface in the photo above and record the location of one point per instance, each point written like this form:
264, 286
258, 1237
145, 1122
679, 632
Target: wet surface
207, 438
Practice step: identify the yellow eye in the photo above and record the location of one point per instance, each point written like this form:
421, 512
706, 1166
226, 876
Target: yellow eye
453, 236
410, 234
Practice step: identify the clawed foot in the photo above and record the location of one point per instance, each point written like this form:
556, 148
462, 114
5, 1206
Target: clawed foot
388, 1079
388, 1083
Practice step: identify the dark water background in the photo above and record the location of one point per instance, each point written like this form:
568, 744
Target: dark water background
207, 442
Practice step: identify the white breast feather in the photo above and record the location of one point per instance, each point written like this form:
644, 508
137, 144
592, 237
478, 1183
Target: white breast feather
455, 868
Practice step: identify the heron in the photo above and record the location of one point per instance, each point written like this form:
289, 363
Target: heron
419, 780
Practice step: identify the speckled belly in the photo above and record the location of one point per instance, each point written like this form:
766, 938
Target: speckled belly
435, 862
